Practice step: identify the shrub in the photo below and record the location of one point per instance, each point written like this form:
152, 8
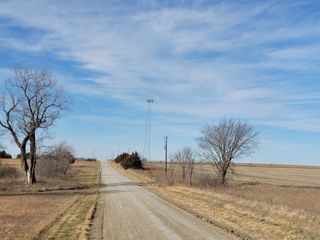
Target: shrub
127, 160
206, 181
3, 154
55, 161
121, 157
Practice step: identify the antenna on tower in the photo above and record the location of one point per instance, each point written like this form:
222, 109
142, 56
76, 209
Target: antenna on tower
147, 140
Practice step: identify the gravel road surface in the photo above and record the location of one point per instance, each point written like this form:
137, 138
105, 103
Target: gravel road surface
132, 212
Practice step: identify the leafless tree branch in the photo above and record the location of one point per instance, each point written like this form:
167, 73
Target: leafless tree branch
225, 142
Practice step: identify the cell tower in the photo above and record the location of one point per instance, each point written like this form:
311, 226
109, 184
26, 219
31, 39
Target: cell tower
146, 147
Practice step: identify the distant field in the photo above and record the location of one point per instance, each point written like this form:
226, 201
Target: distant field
259, 202
50, 209
278, 174
286, 175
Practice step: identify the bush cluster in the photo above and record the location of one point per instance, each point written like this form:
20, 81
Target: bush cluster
55, 161
121, 156
3, 154
127, 160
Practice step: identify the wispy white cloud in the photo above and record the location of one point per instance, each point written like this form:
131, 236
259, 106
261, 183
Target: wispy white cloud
208, 62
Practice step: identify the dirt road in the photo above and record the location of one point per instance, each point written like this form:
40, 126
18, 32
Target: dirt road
131, 212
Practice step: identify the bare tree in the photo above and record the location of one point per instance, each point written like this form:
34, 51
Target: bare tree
10, 101
225, 142
185, 159
190, 161
55, 161
180, 160
171, 167
33, 101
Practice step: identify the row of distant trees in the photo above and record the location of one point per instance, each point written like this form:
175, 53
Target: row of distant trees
30, 104
220, 145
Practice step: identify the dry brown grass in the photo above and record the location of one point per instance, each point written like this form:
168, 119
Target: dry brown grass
81, 175
74, 222
260, 201
50, 209
256, 219
22, 217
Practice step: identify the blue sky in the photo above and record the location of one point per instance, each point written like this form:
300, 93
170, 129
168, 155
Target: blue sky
200, 61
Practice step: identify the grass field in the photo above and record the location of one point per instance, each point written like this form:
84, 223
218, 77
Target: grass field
285, 175
259, 202
52, 208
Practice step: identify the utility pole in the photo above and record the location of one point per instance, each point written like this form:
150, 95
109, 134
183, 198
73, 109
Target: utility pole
166, 153
146, 148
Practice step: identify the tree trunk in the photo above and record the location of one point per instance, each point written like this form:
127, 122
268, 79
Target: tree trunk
23, 159
32, 170
24, 163
183, 173
223, 176
190, 176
